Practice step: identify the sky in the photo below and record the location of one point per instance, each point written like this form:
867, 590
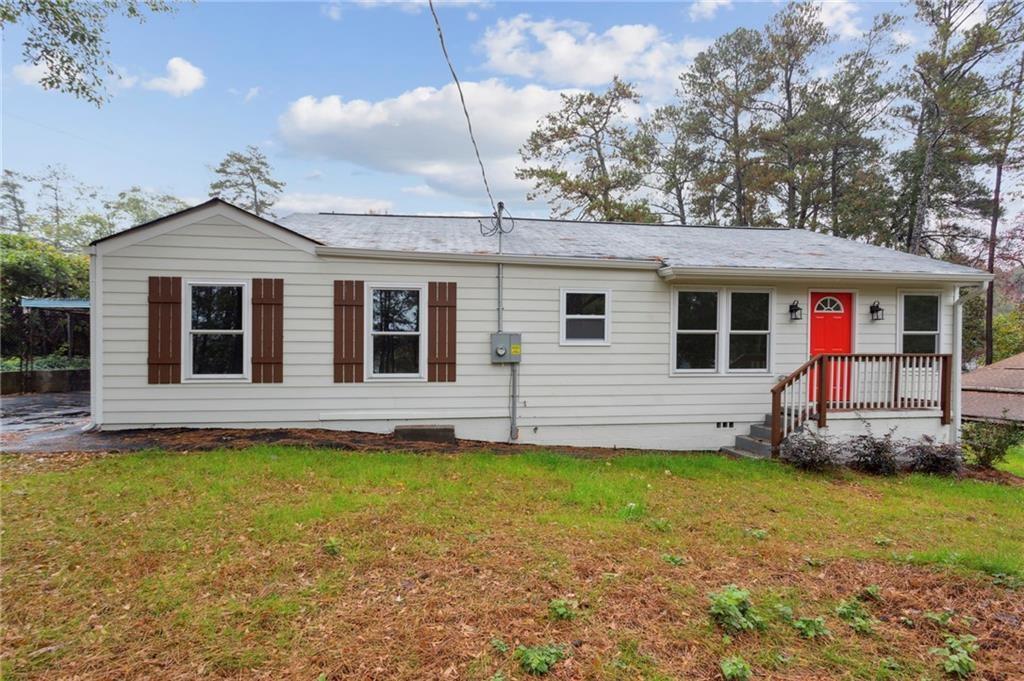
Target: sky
352, 102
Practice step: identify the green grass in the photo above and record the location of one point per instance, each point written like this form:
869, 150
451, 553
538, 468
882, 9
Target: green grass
216, 562
1014, 461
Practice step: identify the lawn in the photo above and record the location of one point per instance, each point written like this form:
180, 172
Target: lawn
1014, 461
298, 563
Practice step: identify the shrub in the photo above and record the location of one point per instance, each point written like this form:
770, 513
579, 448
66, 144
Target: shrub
986, 444
811, 627
731, 609
871, 454
673, 560
499, 646
735, 669
808, 451
539, 659
929, 456
956, 655
562, 609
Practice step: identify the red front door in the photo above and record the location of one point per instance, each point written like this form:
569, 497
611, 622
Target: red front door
832, 333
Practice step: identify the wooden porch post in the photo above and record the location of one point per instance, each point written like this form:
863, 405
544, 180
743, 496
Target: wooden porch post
822, 391
947, 392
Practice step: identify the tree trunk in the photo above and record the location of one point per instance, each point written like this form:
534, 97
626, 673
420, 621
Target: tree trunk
923, 198
992, 236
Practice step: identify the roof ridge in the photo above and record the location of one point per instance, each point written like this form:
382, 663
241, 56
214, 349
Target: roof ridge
563, 220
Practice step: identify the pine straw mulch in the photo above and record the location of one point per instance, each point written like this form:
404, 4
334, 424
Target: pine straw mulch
410, 615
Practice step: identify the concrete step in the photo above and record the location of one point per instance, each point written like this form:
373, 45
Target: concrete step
741, 453
762, 431
755, 445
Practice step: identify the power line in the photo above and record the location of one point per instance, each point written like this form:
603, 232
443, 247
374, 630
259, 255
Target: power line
465, 110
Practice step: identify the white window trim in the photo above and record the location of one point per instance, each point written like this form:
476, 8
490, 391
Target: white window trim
903, 293
674, 330
727, 323
722, 331
186, 333
607, 317
368, 334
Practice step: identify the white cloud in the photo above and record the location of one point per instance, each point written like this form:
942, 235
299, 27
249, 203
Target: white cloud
904, 38
422, 133
29, 74
417, 6
422, 190
840, 17
472, 16
183, 78
570, 53
252, 94
313, 175
124, 80
703, 10
325, 203
332, 11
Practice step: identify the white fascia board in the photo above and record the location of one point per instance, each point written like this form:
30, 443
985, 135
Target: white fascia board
544, 260
673, 273
134, 236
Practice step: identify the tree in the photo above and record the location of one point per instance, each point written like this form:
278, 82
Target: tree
67, 40
1008, 332
676, 158
850, 113
1005, 148
719, 93
61, 220
952, 92
790, 140
136, 206
29, 267
586, 160
13, 218
245, 179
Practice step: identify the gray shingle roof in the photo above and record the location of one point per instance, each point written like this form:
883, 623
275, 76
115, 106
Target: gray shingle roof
671, 245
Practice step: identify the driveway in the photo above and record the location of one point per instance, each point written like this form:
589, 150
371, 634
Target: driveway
34, 422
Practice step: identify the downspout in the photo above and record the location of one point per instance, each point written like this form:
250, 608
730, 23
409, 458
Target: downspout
958, 349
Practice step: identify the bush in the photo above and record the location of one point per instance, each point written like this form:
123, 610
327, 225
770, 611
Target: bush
874, 455
811, 627
732, 610
562, 609
808, 451
929, 456
986, 444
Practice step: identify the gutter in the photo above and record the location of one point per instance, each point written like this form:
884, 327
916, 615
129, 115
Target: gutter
965, 278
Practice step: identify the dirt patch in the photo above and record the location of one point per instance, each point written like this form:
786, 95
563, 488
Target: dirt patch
993, 475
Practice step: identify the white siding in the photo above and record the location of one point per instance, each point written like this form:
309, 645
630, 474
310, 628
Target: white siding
618, 395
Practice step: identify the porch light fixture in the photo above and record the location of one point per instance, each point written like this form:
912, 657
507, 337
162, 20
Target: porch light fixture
877, 312
795, 312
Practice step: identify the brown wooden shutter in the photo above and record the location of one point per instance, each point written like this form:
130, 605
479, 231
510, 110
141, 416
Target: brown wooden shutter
267, 330
165, 329
348, 332
441, 332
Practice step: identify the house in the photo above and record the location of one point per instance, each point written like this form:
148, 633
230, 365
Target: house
995, 393
616, 335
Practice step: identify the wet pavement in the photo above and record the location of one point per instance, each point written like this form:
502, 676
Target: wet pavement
32, 422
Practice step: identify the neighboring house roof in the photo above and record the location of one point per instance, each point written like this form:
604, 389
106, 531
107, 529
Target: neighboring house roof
671, 246
55, 303
995, 392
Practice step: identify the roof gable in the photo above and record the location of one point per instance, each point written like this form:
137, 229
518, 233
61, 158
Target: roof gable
213, 207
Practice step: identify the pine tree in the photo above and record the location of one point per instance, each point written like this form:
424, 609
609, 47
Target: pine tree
246, 180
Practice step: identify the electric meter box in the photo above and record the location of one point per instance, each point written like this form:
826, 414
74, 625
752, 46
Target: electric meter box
506, 348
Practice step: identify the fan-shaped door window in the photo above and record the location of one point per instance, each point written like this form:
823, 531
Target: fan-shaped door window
829, 304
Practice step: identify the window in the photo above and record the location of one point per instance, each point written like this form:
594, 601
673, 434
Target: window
696, 331
749, 314
585, 317
396, 332
217, 329
920, 323
829, 304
